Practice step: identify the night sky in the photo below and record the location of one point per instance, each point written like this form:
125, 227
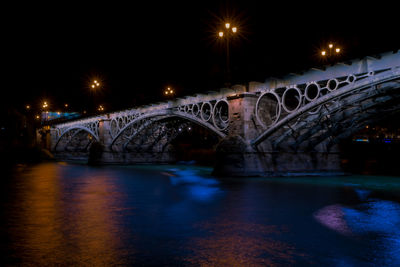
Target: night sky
53, 52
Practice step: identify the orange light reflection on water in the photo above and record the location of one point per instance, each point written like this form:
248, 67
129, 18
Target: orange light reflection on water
53, 231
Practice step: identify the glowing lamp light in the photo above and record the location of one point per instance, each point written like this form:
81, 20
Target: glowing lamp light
227, 25
234, 29
330, 45
221, 34
323, 53
337, 50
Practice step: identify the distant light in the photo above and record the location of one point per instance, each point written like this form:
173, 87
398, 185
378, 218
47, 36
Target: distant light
92, 85
66, 105
362, 140
234, 29
227, 25
323, 53
221, 34
330, 45
337, 50
28, 107
95, 81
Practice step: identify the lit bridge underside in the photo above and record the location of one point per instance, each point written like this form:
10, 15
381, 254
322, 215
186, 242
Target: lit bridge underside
289, 125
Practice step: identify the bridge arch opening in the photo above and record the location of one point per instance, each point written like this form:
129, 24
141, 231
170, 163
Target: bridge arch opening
74, 144
220, 115
291, 99
268, 109
172, 139
312, 91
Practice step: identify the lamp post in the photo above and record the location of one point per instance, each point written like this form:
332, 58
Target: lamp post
331, 52
169, 92
228, 33
95, 88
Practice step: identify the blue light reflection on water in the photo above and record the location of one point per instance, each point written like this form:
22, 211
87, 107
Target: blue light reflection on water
198, 188
163, 215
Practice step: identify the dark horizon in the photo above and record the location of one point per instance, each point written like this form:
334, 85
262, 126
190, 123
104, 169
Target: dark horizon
137, 52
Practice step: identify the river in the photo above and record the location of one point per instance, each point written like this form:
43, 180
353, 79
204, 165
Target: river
161, 215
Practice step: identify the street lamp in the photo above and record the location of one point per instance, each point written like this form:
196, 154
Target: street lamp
95, 84
100, 108
169, 92
331, 51
227, 33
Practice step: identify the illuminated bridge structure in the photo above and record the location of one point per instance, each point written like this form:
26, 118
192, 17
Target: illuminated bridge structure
288, 125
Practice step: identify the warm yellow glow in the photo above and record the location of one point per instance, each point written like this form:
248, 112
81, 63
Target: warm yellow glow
234, 29
172, 91
323, 53
330, 45
166, 92
66, 105
92, 85
221, 34
37, 117
337, 50
227, 25
28, 107
95, 81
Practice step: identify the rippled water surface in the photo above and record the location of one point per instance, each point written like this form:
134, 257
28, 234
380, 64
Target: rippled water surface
75, 215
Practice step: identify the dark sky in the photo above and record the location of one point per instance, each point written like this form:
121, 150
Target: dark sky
53, 51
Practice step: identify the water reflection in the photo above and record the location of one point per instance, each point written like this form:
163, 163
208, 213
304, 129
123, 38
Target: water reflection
197, 188
54, 224
379, 219
230, 243
70, 215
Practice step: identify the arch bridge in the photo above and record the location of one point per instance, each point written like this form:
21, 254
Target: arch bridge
287, 125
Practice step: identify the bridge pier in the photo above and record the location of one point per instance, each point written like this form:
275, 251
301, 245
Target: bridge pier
236, 156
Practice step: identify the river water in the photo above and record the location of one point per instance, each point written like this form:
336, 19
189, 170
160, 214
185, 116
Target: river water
75, 215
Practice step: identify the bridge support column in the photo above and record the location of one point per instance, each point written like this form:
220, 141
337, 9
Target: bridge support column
99, 151
234, 154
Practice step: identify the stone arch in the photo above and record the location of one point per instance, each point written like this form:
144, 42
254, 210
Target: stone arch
73, 131
344, 106
148, 119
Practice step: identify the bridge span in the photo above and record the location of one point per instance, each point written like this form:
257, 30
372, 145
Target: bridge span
288, 125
